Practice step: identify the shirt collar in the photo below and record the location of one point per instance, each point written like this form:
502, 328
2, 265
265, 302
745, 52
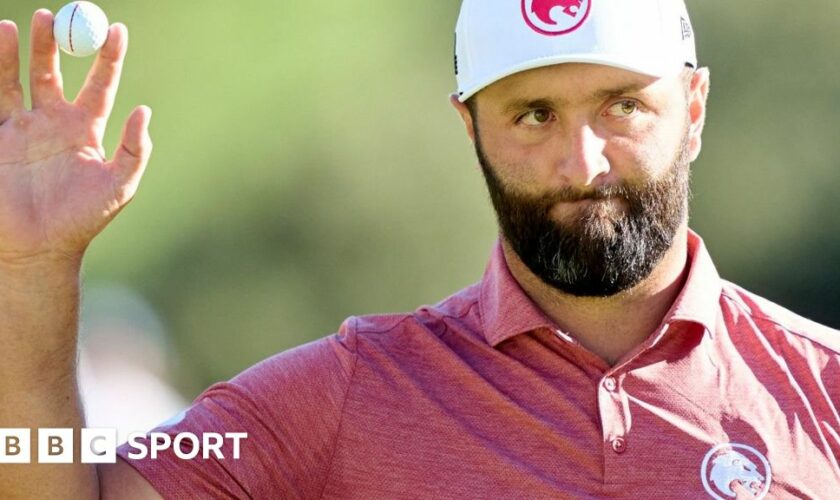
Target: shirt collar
506, 310
699, 299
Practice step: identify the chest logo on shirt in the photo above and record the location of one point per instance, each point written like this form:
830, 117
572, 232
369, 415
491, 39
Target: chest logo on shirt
555, 17
730, 468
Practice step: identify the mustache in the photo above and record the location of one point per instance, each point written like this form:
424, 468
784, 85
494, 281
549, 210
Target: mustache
597, 193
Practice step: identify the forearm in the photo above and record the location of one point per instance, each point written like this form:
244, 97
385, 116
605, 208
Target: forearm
39, 313
57, 192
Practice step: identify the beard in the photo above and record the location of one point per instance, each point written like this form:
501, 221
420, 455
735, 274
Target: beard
598, 251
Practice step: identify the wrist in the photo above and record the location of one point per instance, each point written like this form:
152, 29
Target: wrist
39, 274
39, 312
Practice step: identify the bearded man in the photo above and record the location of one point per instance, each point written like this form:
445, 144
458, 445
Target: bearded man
601, 355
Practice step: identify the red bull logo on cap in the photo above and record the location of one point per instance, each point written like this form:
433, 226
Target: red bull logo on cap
555, 17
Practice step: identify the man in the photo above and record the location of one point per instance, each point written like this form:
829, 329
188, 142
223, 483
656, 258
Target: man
600, 356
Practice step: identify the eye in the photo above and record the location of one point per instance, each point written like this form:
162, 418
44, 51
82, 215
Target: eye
623, 109
536, 117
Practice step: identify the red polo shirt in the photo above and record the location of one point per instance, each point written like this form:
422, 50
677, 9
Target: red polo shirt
480, 396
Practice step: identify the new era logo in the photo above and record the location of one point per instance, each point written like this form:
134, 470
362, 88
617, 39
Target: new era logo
686, 28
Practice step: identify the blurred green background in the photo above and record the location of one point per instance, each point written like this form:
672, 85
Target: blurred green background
308, 166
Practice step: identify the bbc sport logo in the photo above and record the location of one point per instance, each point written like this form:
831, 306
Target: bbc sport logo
55, 445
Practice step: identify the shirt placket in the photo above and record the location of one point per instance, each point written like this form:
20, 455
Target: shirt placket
614, 409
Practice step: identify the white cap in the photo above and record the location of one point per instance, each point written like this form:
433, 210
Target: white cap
497, 38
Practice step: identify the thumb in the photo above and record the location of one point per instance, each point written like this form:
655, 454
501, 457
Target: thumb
134, 150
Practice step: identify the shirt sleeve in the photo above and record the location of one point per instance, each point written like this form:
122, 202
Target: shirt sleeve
290, 406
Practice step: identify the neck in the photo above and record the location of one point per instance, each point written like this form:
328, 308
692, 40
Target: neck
610, 327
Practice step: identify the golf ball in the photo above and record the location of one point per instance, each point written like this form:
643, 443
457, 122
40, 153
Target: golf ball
80, 28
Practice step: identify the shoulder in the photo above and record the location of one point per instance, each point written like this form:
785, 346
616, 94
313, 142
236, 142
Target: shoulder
336, 354
326, 360
433, 319
777, 321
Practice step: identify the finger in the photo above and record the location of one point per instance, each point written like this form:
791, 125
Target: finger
11, 92
133, 153
44, 74
100, 88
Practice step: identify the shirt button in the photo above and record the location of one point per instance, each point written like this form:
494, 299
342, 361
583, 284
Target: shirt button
609, 383
619, 445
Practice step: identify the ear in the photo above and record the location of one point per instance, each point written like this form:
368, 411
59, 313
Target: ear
464, 112
697, 110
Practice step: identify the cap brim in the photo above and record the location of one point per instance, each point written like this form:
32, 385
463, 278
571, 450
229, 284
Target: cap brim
616, 61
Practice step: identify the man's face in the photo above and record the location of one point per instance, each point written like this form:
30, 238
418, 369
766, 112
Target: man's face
588, 170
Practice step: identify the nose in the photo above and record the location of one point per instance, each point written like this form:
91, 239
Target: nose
583, 159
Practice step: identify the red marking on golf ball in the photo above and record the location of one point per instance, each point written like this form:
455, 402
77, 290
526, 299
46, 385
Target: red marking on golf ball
73, 15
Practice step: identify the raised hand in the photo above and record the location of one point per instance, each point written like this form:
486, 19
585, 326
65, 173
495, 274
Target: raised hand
57, 189
57, 192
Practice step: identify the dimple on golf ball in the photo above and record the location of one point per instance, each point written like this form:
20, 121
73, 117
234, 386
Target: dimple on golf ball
80, 28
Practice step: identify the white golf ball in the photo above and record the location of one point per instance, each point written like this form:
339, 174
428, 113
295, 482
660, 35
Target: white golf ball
80, 28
